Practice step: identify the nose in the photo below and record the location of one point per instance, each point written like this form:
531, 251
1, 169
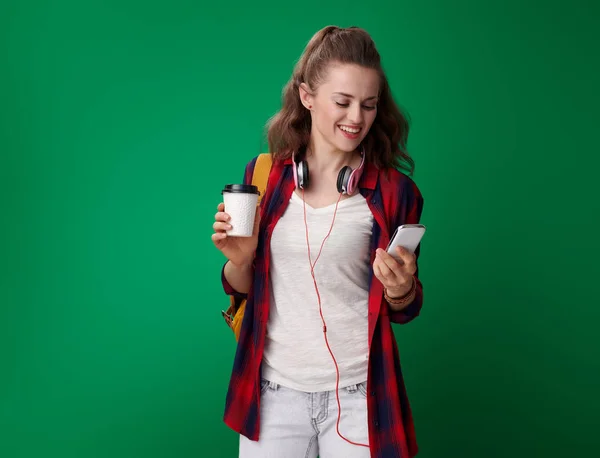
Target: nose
355, 114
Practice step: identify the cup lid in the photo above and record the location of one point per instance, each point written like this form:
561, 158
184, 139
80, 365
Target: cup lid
241, 188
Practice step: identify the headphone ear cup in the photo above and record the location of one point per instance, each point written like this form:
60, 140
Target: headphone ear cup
303, 175
343, 178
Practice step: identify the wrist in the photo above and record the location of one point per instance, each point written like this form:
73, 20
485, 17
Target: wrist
403, 298
399, 293
242, 265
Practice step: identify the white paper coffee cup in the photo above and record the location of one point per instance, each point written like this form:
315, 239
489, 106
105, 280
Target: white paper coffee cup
240, 204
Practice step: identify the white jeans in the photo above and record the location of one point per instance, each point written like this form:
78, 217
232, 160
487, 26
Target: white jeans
295, 424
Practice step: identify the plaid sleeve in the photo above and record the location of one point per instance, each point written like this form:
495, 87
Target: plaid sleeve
247, 179
412, 201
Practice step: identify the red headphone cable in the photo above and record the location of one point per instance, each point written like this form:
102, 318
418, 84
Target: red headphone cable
312, 272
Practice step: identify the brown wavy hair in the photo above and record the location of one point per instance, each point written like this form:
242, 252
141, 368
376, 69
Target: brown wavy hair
289, 129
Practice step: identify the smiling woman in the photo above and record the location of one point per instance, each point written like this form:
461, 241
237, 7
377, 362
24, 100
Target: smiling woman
316, 340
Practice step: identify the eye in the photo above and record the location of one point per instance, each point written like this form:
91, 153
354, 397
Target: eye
345, 105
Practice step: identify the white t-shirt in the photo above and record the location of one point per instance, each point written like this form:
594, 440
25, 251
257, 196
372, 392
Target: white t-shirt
295, 352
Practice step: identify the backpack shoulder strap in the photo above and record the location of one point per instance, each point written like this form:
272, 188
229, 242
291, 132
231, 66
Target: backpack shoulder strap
260, 176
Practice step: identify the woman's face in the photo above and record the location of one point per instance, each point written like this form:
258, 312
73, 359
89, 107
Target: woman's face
343, 107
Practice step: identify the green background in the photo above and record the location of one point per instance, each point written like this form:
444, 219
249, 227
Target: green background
120, 123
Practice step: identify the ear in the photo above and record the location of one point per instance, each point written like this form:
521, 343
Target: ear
306, 96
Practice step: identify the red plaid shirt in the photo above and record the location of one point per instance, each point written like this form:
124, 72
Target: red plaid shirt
394, 199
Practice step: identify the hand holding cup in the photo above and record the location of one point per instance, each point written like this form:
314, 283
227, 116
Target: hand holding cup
236, 224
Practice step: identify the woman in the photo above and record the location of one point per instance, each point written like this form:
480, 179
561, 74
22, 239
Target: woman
317, 370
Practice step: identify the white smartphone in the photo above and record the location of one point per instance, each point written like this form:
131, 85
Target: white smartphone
408, 236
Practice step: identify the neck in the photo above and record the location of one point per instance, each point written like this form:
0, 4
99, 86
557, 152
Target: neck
325, 159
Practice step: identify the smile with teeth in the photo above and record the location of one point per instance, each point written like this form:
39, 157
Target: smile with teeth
350, 130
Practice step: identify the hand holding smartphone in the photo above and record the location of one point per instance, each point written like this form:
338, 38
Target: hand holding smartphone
408, 236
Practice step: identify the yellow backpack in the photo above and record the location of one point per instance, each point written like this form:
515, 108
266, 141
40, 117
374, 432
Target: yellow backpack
235, 313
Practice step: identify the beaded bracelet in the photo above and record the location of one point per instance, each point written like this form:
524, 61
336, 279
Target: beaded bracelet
406, 299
